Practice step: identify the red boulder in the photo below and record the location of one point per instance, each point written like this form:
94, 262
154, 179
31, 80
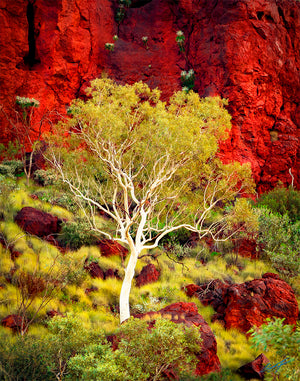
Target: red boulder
249, 304
94, 270
37, 222
15, 322
111, 273
110, 247
53, 313
149, 274
255, 368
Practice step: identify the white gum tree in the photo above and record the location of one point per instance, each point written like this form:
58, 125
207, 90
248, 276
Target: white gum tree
150, 166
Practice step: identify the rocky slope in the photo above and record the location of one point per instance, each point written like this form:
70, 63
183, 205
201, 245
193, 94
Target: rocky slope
243, 50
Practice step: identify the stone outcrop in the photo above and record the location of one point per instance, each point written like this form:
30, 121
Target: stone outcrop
15, 322
248, 304
94, 270
187, 313
246, 51
37, 222
255, 368
110, 247
149, 274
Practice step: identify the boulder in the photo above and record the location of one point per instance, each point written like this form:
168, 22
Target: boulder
15, 322
91, 289
149, 274
110, 247
111, 273
255, 368
53, 313
94, 270
187, 313
209, 293
37, 222
248, 304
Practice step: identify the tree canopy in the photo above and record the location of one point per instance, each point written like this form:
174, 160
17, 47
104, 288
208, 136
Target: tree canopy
151, 166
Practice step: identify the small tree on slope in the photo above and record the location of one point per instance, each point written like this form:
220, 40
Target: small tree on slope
150, 166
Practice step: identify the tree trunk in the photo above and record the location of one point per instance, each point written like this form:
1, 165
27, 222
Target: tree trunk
126, 286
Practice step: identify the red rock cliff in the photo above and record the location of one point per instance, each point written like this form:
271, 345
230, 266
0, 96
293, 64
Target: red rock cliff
244, 50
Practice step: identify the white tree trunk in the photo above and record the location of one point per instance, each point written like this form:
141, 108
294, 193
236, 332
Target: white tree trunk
126, 285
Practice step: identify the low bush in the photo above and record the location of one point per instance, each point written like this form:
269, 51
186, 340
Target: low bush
283, 201
11, 168
281, 240
285, 341
142, 354
75, 234
23, 358
44, 178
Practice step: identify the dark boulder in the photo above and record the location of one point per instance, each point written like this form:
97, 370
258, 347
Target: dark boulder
149, 274
37, 222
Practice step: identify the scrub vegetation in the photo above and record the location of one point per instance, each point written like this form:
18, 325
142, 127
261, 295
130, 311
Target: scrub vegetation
67, 316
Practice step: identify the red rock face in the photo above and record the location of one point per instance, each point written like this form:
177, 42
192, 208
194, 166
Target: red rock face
187, 313
245, 51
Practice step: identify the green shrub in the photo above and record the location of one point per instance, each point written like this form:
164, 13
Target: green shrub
224, 375
67, 337
23, 358
7, 185
141, 355
44, 178
285, 340
11, 168
281, 240
166, 346
283, 201
66, 202
75, 234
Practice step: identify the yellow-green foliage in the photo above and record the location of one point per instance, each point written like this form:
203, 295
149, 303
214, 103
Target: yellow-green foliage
57, 211
206, 312
20, 199
78, 297
234, 349
37, 331
15, 237
6, 264
99, 320
8, 299
108, 291
255, 269
91, 252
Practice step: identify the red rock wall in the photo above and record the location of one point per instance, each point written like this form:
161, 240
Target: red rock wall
244, 50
